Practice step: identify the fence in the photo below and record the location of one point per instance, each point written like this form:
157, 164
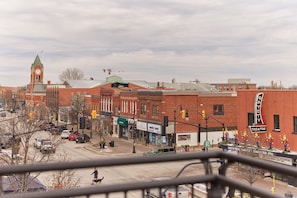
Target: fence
215, 182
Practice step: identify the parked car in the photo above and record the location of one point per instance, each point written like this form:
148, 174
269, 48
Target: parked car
47, 146
47, 126
5, 140
72, 136
65, 134
54, 131
62, 127
38, 141
9, 184
82, 138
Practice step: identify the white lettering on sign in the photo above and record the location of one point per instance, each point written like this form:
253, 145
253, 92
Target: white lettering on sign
154, 128
258, 109
259, 128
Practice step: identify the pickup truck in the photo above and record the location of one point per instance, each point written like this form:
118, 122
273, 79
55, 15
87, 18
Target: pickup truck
47, 146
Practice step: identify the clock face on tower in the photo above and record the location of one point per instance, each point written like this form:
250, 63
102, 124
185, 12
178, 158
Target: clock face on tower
37, 71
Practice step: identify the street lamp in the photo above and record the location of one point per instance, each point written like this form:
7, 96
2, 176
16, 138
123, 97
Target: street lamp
206, 117
185, 115
133, 134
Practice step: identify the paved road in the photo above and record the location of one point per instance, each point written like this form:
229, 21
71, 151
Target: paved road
122, 148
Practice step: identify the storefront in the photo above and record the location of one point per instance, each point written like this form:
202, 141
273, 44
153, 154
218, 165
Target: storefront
143, 135
155, 134
123, 127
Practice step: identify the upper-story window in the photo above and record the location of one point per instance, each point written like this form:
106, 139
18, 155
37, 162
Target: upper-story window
143, 109
295, 123
251, 119
276, 122
133, 107
125, 106
155, 110
218, 109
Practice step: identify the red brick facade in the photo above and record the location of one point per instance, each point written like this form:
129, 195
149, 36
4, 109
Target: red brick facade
153, 105
279, 113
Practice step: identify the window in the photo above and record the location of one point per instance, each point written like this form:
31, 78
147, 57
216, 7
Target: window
143, 109
218, 109
250, 119
155, 110
295, 124
276, 122
133, 107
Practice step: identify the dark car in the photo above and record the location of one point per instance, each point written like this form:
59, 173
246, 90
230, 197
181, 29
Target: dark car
55, 131
82, 138
62, 127
47, 126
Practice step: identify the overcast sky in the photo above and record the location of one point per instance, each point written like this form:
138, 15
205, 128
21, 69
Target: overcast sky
152, 40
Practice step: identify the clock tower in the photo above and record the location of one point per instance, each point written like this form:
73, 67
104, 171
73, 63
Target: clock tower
36, 90
36, 72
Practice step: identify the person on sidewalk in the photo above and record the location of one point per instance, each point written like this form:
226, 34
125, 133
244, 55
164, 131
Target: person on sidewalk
95, 179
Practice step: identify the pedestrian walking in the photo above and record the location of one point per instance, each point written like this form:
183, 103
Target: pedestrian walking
95, 179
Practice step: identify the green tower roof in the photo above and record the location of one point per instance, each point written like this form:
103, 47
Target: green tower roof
37, 62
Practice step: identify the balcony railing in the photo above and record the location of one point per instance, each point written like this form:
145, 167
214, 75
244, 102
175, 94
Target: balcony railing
215, 180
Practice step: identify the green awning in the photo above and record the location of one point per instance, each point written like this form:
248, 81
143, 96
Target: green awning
123, 121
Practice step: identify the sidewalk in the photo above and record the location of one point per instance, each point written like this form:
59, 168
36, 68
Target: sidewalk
121, 146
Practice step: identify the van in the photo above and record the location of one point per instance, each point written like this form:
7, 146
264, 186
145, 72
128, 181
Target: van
160, 151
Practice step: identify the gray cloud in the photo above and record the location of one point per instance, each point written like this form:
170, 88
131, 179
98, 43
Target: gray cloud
150, 40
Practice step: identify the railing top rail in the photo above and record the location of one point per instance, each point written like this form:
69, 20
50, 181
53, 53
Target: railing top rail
229, 158
260, 163
43, 167
120, 187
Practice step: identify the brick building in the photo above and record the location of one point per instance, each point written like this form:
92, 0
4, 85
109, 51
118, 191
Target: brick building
235, 84
142, 116
268, 112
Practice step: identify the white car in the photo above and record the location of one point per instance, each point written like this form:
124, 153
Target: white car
38, 141
65, 134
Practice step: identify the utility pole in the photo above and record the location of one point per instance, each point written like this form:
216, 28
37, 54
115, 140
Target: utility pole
133, 134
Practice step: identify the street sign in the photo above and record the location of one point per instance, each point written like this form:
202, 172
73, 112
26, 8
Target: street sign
206, 143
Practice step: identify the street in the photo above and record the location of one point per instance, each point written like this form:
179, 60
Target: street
146, 172
113, 175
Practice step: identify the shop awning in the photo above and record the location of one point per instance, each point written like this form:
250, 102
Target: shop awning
122, 121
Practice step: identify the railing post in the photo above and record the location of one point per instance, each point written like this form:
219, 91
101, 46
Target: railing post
215, 191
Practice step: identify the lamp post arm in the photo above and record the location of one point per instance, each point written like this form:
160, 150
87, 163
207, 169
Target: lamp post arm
222, 123
210, 116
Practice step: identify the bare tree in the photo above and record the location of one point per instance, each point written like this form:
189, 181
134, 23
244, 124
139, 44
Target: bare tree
249, 173
71, 74
77, 108
22, 128
63, 179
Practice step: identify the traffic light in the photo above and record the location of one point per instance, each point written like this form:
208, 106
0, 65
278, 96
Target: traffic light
203, 114
31, 115
165, 121
82, 123
183, 114
94, 114
165, 124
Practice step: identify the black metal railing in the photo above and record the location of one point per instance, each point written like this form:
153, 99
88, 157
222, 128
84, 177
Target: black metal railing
216, 181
